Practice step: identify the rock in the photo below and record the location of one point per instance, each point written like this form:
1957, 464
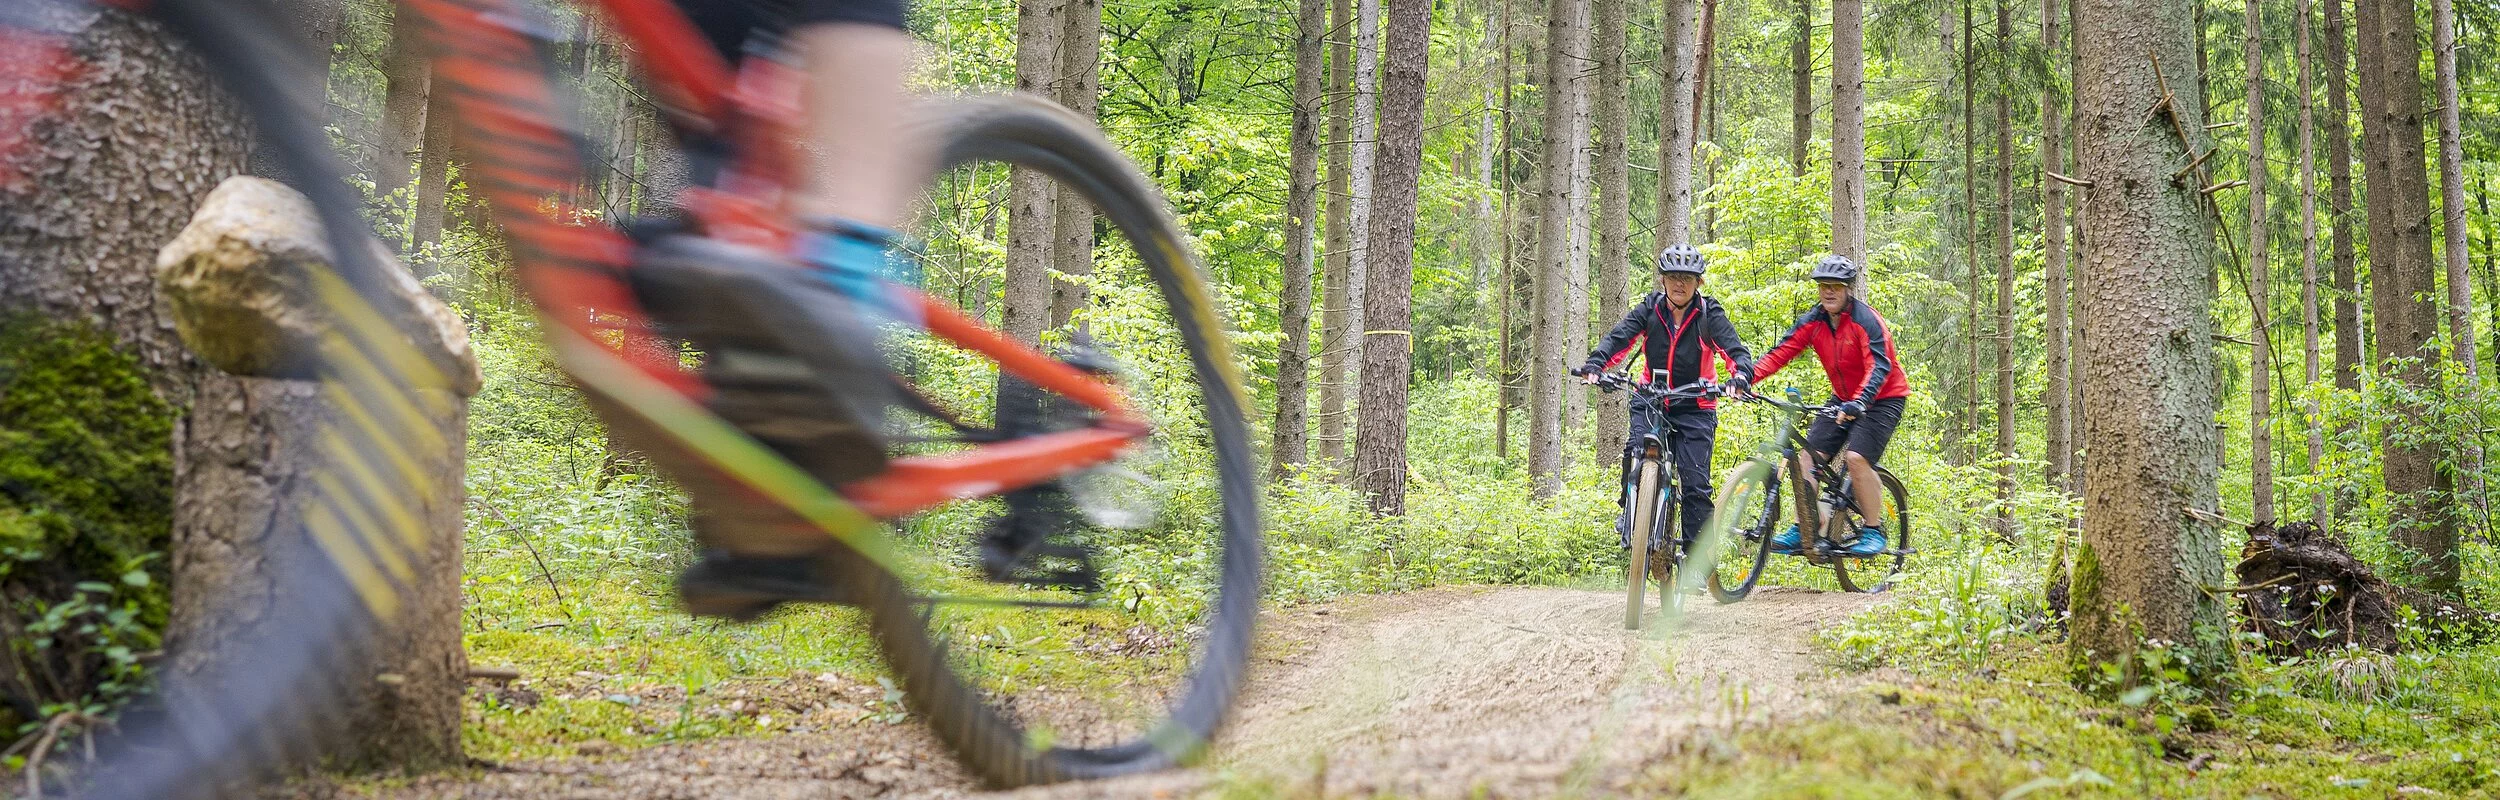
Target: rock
238, 280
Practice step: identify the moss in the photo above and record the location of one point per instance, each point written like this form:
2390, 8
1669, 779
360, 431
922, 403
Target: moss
86, 512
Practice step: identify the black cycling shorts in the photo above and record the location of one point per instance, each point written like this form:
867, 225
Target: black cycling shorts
1867, 435
728, 24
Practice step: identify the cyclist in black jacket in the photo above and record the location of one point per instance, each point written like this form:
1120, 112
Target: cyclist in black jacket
1684, 334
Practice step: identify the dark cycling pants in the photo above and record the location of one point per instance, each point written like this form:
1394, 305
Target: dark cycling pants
1688, 435
1867, 435
728, 23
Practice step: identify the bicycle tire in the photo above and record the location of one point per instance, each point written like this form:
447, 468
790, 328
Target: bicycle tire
1032, 133
1636, 569
236, 721
1747, 507
1884, 570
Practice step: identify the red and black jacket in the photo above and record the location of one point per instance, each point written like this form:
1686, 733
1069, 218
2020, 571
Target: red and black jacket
1856, 351
1688, 345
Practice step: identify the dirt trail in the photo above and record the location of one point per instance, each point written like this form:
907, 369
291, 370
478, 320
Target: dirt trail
1447, 692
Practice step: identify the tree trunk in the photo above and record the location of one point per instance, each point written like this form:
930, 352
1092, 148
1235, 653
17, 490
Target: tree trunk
1032, 198
1079, 87
1576, 256
2005, 277
433, 184
2053, 245
2307, 119
2348, 356
2145, 568
1507, 376
1800, 86
1301, 198
406, 75
167, 139
1563, 52
1849, 134
1334, 319
1675, 114
1380, 453
2452, 189
1614, 199
1969, 432
2260, 311
2075, 367
1366, 145
2403, 321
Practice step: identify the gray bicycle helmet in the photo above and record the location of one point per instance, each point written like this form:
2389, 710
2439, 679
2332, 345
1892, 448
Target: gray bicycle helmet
1681, 257
1835, 268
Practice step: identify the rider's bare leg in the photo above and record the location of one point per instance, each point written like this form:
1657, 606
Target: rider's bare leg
865, 167
1806, 461
1862, 482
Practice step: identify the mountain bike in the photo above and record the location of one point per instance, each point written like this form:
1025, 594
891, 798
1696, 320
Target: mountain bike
1653, 495
1748, 512
1161, 622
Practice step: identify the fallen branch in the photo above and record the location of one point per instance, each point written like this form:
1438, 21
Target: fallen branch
2053, 174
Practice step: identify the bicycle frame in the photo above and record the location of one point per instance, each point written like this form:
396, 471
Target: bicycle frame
1831, 481
526, 161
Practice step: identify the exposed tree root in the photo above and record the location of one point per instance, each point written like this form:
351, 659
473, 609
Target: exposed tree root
2302, 591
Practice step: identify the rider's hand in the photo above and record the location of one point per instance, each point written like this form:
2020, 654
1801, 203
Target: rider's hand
1739, 384
1587, 374
1850, 410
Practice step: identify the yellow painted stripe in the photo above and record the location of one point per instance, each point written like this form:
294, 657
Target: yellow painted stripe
361, 526
357, 371
380, 496
376, 437
380, 598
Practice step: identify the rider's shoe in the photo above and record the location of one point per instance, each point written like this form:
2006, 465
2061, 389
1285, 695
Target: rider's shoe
788, 357
743, 588
1869, 543
1787, 543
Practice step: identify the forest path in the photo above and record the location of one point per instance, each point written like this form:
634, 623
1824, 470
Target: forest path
1448, 692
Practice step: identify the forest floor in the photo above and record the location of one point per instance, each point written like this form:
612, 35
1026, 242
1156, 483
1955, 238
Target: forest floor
1502, 692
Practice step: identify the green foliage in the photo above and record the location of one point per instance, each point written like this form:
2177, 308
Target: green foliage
86, 503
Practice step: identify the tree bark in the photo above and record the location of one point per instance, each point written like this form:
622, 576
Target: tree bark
1301, 199
1380, 454
1032, 198
145, 134
1363, 177
1564, 48
2348, 354
2005, 277
2404, 323
2307, 123
406, 75
1334, 317
1079, 87
1675, 114
2054, 396
2145, 566
2260, 311
433, 183
1614, 198
1576, 255
2452, 188
1849, 134
1800, 86
2075, 367
1507, 376
1969, 432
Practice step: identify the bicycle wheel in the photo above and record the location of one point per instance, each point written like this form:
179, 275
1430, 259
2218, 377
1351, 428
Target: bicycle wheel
1132, 670
1637, 565
1879, 573
234, 718
1739, 538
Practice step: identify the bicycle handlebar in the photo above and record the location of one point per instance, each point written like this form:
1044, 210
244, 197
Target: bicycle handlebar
1615, 382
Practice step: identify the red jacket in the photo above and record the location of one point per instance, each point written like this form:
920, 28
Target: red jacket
1856, 351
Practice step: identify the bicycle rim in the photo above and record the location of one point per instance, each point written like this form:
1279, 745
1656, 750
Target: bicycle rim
1739, 537
236, 718
1155, 659
1636, 568
1873, 575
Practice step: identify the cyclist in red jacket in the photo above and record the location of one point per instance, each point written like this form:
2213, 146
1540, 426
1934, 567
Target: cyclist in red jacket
1855, 348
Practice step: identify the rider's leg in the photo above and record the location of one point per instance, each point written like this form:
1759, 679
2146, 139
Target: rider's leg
1868, 437
1696, 430
1868, 492
866, 167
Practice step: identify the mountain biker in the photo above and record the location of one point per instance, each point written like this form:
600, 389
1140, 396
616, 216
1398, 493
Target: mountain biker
1681, 334
791, 356
1868, 384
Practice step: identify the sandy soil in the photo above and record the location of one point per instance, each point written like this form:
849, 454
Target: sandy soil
1509, 692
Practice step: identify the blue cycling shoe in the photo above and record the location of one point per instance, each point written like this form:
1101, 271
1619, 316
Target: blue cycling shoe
1870, 543
1786, 543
